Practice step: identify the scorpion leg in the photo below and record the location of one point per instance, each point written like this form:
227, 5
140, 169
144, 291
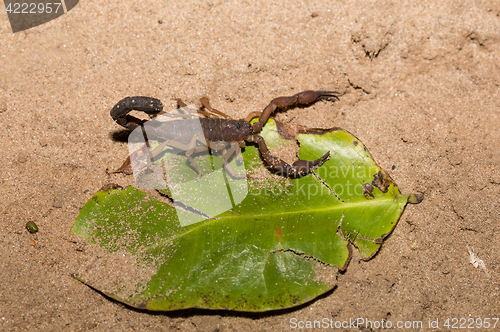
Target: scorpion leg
221, 146
137, 155
181, 104
253, 115
189, 150
226, 154
302, 98
239, 156
120, 111
205, 113
192, 149
297, 169
206, 104
225, 160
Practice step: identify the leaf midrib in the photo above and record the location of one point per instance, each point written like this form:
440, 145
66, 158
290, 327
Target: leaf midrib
330, 208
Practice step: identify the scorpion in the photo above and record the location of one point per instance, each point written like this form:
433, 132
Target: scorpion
218, 129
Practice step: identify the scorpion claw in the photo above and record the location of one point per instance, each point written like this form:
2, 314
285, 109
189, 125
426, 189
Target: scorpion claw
296, 170
309, 97
302, 98
304, 167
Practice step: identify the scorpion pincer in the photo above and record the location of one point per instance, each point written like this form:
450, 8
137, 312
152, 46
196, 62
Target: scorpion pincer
218, 130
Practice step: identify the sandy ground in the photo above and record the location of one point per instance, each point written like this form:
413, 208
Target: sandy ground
419, 86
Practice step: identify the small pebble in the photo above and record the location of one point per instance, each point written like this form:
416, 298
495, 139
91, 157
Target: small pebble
22, 157
315, 14
57, 203
3, 106
43, 142
31, 227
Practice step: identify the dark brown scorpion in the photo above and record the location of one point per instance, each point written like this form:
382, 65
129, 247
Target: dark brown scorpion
217, 128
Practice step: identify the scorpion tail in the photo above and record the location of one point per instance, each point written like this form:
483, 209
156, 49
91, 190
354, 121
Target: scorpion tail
145, 104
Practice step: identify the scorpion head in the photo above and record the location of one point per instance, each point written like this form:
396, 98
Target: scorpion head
236, 130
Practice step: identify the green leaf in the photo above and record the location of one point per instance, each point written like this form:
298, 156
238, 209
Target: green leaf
282, 246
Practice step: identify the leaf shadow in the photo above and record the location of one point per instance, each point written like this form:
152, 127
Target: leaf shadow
191, 312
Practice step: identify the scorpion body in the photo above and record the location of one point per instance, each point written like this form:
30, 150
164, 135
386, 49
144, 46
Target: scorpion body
179, 133
214, 129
